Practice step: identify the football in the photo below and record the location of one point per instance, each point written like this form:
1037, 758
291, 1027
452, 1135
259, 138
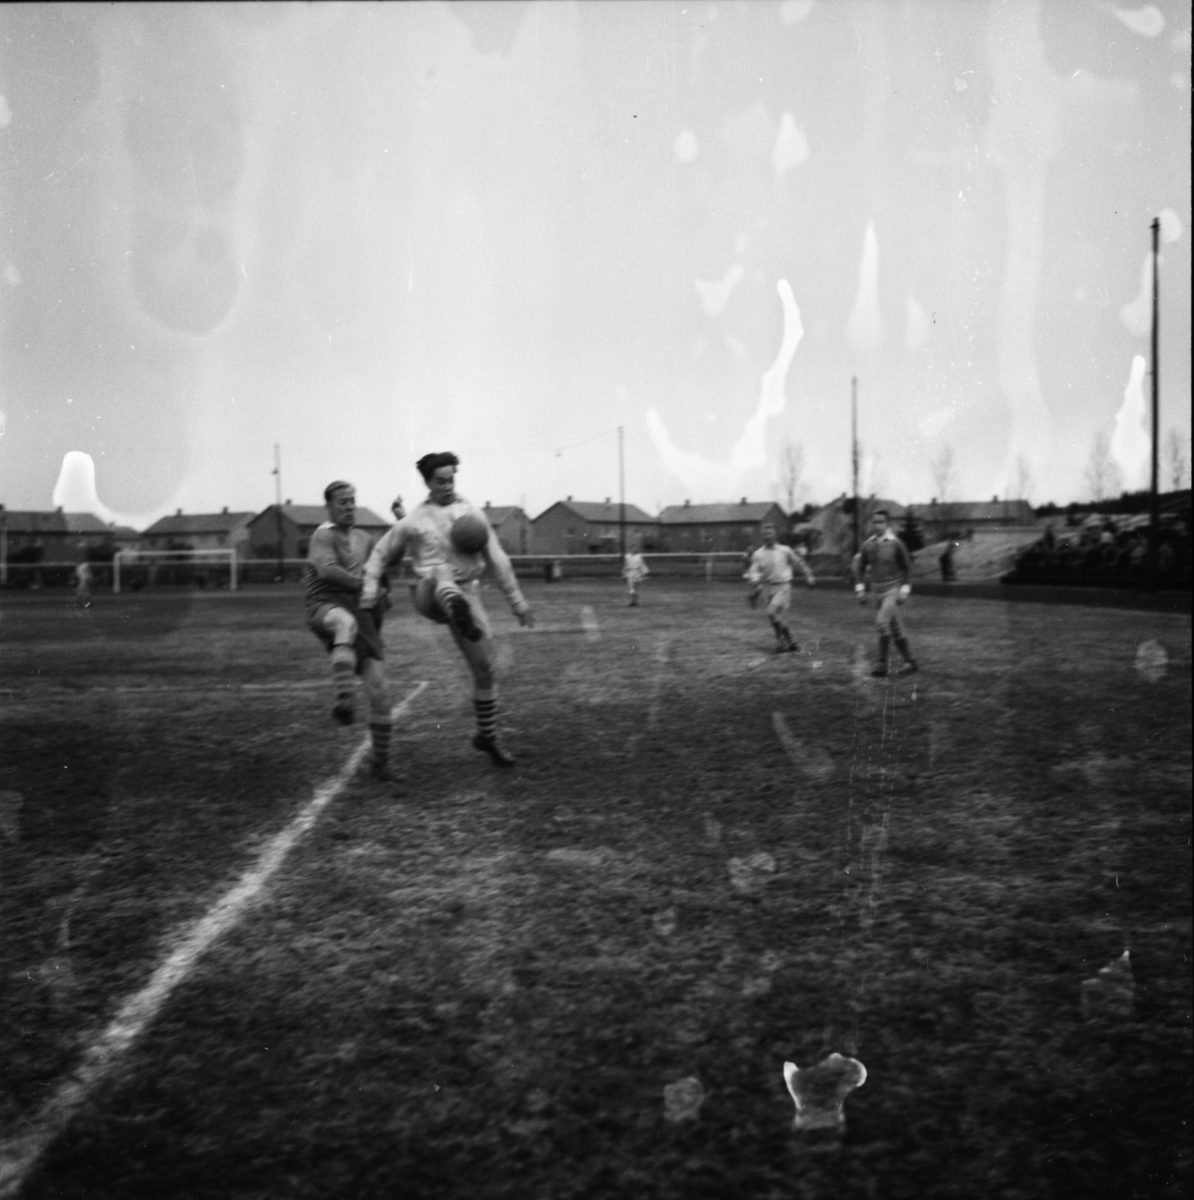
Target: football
469, 533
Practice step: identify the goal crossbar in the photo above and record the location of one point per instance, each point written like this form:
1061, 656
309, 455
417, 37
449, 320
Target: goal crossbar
124, 559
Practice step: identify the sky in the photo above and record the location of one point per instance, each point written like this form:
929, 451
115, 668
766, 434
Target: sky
537, 234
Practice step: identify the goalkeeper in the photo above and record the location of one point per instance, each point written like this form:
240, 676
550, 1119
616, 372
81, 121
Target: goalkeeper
885, 562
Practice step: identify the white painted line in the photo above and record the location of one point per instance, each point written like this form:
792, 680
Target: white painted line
19, 1154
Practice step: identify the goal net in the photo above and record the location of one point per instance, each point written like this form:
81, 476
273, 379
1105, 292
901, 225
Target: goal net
135, 570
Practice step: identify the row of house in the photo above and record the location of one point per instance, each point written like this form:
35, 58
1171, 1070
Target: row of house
566, 527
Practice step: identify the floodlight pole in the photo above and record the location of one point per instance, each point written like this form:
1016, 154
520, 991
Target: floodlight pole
1155, 508
854, 450
621, 493
3, 546
278, 506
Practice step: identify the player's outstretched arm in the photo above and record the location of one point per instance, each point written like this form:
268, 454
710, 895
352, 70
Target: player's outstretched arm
385, 554
503, 570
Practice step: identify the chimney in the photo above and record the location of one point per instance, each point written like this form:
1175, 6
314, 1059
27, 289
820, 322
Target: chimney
743, 499
225, 510
178, 512
570, 498
686, 503
607, 499
994, 499
287, 503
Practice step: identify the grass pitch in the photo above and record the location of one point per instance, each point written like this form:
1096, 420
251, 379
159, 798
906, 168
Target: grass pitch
709, 860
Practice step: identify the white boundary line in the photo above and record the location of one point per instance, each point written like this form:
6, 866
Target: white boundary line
19, 1154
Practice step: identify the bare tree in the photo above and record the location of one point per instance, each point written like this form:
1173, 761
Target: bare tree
1102, 475
945, 477
791, 474
1023, 483
1175, 452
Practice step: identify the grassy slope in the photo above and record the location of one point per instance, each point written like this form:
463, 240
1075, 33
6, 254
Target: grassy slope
483, 986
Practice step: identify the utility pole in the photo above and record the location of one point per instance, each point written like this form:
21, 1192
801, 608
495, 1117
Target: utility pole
278, 506
622, 493
1154, 541
854, 450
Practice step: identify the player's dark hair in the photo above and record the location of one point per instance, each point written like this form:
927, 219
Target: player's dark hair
881, 512
332, 488
430, 463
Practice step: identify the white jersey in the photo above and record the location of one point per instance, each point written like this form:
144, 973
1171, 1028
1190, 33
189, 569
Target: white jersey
773, 564
634, 567
422, 536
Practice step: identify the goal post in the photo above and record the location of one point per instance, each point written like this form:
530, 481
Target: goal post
146, 568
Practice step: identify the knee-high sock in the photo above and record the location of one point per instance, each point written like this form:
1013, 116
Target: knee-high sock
485, 706
884, 647
343, 663
380, 729
903, 647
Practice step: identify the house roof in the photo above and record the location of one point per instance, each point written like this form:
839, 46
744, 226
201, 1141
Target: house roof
497, 513
195, 524
59, 522
749, 512
867, 504
310, 516
606, 513
975, 510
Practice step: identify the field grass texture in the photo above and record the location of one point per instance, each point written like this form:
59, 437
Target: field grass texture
582, 977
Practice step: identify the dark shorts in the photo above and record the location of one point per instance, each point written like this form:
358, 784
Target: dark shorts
366, 644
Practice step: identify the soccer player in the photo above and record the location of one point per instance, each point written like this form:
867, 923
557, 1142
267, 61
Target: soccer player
333, 575
446, 590
884, 560
634, 571
83, 584
770, 573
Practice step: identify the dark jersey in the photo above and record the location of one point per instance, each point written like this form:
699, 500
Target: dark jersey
335, 566
886, 561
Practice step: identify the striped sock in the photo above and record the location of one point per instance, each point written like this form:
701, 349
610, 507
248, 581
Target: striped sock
485, 705
343, 663
380, 729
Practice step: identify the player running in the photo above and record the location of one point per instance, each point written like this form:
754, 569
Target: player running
332, 578
447, 590
770, 573
884, 560
634, 571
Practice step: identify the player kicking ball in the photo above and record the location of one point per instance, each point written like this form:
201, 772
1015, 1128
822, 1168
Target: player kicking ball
335, 565
770, 574
884, 562
450, 544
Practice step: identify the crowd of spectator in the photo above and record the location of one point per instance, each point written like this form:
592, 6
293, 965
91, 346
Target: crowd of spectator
1105, 551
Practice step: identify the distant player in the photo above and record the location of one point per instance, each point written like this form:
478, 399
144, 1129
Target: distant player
83, 584
335, 566
884, 562
446, 590
770, 574
634, 571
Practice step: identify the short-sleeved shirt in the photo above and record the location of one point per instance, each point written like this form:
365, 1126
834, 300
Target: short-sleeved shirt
774, 564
